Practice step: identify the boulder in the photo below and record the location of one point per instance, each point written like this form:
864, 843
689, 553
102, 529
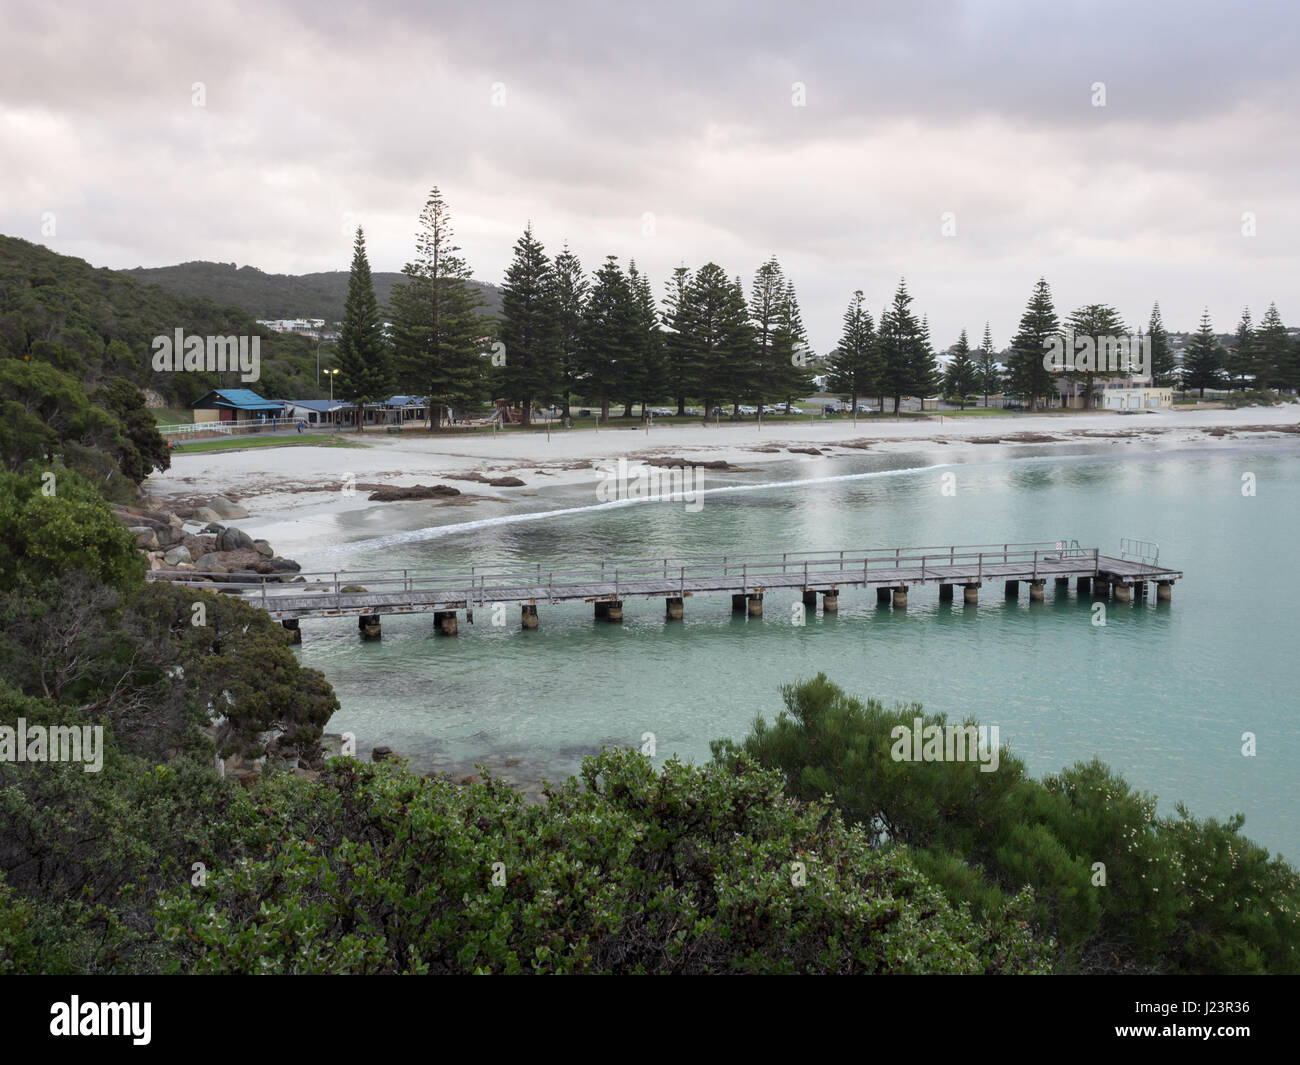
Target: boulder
177, 555
234, 540
169, 535
145, 537
213, 527
224, 508
263, 548
206, 514
212, 562
284, 565
382, 754
390, 493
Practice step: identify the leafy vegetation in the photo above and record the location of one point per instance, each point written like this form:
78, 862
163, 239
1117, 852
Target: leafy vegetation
1170, 894
93, 325
688, 870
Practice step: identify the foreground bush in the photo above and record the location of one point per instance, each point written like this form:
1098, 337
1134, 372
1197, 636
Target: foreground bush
690, 870
1118, 887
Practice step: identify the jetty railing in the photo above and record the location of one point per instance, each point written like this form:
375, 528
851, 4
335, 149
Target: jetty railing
671, 575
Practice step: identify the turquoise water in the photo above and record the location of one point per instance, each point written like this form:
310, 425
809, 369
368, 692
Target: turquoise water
1162, 693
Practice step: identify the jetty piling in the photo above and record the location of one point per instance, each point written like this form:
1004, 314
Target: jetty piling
891, 572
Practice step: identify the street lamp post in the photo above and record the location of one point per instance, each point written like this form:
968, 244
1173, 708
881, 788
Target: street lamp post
331, 375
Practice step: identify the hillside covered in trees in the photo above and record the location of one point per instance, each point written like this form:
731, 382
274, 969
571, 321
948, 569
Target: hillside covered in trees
94, 323
272, 296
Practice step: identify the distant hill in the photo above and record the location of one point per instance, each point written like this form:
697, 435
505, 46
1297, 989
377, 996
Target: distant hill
96, 323
273, 296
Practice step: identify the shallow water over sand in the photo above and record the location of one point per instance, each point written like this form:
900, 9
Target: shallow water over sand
1162, 693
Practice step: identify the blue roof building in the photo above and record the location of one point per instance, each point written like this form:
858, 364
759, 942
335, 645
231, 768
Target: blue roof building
235, 405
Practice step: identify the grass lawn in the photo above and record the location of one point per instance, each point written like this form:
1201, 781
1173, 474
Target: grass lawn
317, 439
173, 415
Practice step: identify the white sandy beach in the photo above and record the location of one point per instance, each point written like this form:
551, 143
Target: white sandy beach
271, 482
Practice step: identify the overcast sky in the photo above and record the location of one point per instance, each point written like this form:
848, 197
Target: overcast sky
671, 133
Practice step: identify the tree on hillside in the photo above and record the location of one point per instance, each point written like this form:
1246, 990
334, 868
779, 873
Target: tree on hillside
989, 374
1029, 348
530, 326
854, 366
962, 375
1203, 365
365, 368
436, 327
570, 299
1164, 368
140, 448
1100, 323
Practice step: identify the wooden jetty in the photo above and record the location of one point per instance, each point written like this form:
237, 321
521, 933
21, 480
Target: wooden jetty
369, 594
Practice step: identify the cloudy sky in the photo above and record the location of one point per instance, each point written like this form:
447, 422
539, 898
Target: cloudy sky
842, 137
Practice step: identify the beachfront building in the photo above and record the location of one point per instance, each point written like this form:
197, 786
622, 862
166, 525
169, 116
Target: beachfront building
1116, 393
238, 405
397, 410
316, 412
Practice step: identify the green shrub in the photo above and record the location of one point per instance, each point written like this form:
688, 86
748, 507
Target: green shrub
688, 870
1118, 888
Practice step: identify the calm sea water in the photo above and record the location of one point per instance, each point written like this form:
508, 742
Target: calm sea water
1163, 693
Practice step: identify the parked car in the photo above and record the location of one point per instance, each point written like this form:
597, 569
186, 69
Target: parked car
584, 413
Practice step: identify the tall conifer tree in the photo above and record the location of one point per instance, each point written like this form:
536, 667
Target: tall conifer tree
436, 326
530, 327
365, 370
1029, 348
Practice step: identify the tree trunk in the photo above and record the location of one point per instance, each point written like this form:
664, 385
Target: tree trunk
528, 411
681, 406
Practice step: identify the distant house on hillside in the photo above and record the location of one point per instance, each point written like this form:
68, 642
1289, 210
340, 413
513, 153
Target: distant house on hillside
239, 405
